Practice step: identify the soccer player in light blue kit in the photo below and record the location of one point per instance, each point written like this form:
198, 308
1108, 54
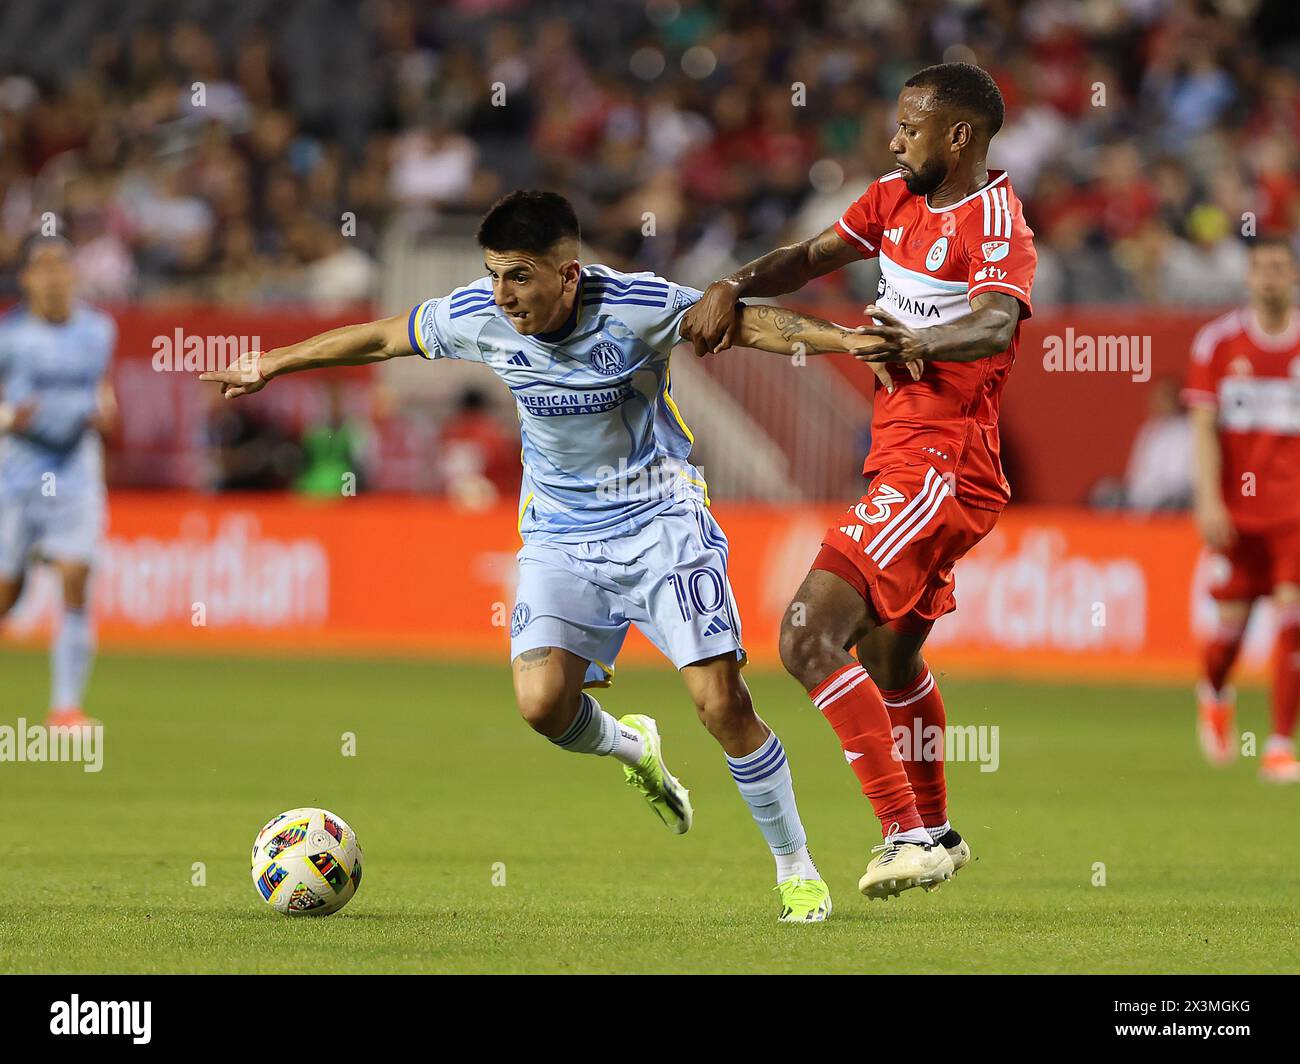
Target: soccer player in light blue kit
614, 519
55, 401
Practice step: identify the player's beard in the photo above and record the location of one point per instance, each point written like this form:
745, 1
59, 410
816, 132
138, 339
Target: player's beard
925, 180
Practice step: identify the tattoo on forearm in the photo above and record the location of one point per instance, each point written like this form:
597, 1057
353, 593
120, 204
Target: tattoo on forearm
797, 328
824, 247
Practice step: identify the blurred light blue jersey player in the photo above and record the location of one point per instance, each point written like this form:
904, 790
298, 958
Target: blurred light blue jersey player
609, 496
52, 468
54, 359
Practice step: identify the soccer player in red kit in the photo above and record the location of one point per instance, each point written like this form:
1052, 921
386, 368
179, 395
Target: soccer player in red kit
957, 263
1243, 388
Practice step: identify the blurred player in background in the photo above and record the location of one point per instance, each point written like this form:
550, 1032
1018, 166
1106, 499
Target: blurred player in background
613, 516
55, 402
957, 262
1243, 386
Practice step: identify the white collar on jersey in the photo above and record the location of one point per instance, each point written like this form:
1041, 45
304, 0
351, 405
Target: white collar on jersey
1271, 341
1002, 175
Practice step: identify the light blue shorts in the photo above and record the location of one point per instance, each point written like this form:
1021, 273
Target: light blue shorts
669, 579
63, 527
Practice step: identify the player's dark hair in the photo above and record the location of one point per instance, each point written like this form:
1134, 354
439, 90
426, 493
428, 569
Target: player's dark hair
39, 240
966, 89
528, 219
1275, 240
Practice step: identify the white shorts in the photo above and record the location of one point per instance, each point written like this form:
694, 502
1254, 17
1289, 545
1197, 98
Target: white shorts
63, 527
669, 579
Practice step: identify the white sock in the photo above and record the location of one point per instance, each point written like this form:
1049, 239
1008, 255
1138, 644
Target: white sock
937, 833
799, 863
763, 779
594, 731
914, 835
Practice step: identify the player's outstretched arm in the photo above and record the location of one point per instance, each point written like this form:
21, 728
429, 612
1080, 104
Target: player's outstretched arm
710, 324
986, 331
352, 345
786, 332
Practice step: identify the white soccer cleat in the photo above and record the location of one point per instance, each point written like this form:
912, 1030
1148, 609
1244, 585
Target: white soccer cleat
901, 866
958, 850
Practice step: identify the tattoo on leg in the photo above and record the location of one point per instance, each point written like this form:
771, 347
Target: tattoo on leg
533, 659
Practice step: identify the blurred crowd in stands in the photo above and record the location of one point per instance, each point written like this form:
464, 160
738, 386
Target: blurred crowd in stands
364, 440
256, 150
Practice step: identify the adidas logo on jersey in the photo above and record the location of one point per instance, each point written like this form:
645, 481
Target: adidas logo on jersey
717, 626
895, 235
520, 359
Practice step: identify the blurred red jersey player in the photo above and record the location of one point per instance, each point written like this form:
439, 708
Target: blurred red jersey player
957, 264
1244, 390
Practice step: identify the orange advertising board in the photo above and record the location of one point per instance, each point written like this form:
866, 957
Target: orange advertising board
1050, 591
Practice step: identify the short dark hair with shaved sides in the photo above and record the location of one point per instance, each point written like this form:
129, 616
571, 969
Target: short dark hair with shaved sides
528, 220
966, 89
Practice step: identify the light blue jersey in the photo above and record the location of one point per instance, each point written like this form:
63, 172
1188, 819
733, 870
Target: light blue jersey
52, 472
605, 448
58, 367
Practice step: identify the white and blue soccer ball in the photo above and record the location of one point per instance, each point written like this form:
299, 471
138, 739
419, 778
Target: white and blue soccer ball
306, 862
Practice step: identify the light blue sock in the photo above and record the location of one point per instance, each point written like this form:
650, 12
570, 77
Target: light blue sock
594, 731
70, 659
763, 779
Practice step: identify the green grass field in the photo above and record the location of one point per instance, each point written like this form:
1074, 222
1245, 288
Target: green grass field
1200, 866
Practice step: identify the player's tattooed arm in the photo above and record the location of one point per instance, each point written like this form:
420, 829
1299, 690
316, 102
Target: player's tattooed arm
710, 324
352, 345
987, 330
786, 332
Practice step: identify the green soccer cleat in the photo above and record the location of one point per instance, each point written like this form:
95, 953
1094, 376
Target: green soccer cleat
667, 797
804, 901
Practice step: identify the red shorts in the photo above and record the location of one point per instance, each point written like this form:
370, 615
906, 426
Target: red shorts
898, 544
1254, 564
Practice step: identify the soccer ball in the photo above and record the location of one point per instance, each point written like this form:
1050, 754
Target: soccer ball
306, 862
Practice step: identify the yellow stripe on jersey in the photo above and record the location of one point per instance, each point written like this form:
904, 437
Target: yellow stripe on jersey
523, 510
672, 407
701, 484
414, 329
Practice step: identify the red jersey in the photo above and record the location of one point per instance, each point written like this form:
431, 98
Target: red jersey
1253, 381
932, 261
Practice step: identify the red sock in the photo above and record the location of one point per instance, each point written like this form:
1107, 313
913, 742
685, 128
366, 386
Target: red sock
849, 701
918, 709
1220, 654
1286, 671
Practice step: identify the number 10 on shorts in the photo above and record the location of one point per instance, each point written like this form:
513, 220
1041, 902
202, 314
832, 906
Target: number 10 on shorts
702, 588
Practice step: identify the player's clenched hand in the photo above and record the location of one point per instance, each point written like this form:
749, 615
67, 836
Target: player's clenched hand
1215, 524
871, 349
710, 324
241, 377
898, 342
